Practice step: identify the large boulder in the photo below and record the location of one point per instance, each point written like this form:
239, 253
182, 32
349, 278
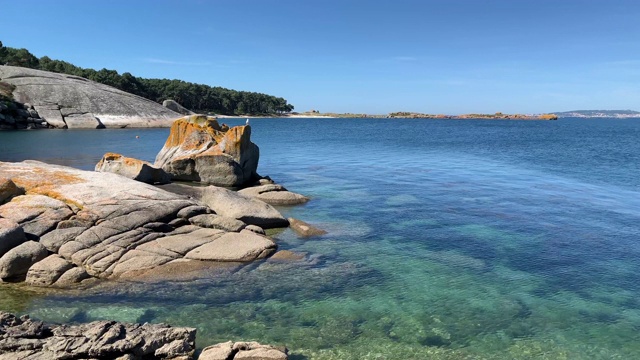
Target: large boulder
199, 149
67, 101
17, 261
107, 226
249, 210
174, 106
132, 168
11, 235
48, 270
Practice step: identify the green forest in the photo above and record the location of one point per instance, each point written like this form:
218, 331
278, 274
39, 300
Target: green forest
196, 97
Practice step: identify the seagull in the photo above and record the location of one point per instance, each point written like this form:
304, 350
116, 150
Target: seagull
247, 123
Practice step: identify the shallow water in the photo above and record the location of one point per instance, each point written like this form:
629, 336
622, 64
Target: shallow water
447, 240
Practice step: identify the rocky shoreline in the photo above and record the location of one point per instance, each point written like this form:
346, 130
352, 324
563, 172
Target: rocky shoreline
62, 227
28, 339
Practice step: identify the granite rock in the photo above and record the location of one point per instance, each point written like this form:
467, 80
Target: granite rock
132, 168
17, 261
199, 149
274, 194
74, 102
249, 210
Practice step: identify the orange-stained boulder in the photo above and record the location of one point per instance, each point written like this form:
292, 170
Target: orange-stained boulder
199, 149
132, 168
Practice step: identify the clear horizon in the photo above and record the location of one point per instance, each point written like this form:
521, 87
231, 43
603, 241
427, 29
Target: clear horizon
444, 56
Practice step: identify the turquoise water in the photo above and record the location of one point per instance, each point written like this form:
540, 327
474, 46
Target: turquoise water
447, 240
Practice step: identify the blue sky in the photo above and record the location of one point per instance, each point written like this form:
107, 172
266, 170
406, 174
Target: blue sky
375, 56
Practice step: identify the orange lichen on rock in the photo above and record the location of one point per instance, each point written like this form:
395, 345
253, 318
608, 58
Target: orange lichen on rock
187, 132
199, 149
549, 117
40, 181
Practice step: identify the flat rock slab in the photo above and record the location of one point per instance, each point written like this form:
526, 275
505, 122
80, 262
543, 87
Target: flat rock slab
250, 211
243, 246
274, 194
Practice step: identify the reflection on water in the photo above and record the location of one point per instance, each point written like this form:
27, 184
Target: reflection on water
447, 240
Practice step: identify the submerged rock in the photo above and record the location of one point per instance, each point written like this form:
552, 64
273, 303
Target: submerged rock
235, 205
132, 168
199, 149
304, 229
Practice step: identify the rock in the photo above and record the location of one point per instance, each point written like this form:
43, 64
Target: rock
191, 211
218, 222
256, 229
52, 115
243, 246
256, 351
132, 168
222, 351
71, 277
47, 271
243, 350
174, 106
287, 255
250, 211
8, 190
80, 120
304, 229
182, 243
159, 227
37, 214
179, 222
274, 195
17, 261
70, 101
95, 340
198, 149
11, 235
54, 239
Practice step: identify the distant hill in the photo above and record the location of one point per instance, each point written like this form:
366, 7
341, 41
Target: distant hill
599, 114
196, 97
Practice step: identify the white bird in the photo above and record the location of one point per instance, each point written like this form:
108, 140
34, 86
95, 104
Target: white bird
247, 123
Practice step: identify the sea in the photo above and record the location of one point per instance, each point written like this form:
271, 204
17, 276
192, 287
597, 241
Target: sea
447, 239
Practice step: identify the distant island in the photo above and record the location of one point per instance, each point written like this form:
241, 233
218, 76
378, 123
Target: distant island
620, 114
415, 115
